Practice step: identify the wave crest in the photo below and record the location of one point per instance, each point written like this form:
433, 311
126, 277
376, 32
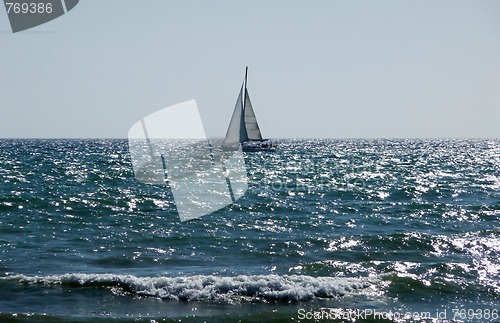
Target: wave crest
288, 288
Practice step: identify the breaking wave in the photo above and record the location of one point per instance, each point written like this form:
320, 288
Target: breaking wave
286, 288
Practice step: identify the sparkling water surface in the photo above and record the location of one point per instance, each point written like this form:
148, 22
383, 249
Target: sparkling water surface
401, 225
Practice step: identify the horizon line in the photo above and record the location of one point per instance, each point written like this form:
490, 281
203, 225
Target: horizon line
283, 138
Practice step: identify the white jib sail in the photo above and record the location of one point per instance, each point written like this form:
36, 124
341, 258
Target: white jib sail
237, 132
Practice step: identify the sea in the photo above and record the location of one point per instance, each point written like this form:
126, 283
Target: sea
352, 230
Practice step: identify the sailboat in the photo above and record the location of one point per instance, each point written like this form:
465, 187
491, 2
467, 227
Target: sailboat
243, 130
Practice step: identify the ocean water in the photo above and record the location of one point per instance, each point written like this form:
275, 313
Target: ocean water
329, 230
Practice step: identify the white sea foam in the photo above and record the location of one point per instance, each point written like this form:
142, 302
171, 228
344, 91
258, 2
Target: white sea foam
288, 288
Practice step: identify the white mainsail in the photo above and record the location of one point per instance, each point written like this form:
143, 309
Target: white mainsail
253, 130
243, 126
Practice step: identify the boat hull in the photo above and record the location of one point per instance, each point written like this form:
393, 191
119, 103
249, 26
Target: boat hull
252, 146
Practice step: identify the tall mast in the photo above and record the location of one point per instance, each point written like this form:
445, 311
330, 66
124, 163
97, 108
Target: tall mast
246, 72
244, 99
245, 94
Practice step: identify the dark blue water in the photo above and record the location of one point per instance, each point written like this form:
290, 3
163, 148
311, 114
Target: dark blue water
343, 225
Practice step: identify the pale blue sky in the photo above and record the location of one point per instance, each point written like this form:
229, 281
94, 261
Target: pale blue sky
329, 69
